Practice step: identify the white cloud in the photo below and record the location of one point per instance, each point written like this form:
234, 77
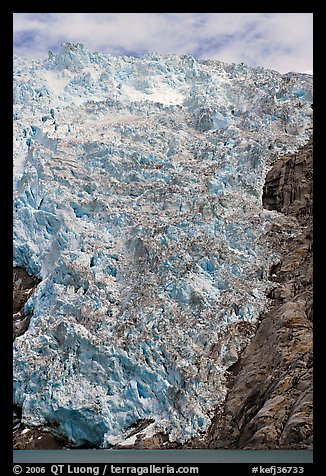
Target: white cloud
281, 41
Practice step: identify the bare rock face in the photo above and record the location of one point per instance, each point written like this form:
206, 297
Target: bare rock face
35, 439
288, 187
269, 404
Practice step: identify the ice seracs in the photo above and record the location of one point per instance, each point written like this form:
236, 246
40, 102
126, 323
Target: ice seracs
138, 185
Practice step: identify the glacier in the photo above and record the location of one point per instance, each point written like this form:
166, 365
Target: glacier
138, 205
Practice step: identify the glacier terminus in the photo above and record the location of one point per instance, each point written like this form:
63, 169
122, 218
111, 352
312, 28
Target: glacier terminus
138, 206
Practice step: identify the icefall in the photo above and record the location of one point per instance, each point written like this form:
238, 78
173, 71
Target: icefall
137, 202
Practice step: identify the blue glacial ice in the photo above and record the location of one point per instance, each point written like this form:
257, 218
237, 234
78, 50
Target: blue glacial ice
137, 203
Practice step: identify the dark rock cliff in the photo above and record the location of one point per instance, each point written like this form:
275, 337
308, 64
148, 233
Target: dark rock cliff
269, 404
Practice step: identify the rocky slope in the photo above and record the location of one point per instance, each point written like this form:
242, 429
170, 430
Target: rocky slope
138, 188
269, 404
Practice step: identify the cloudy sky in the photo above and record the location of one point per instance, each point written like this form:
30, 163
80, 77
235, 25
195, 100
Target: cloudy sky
280, 41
